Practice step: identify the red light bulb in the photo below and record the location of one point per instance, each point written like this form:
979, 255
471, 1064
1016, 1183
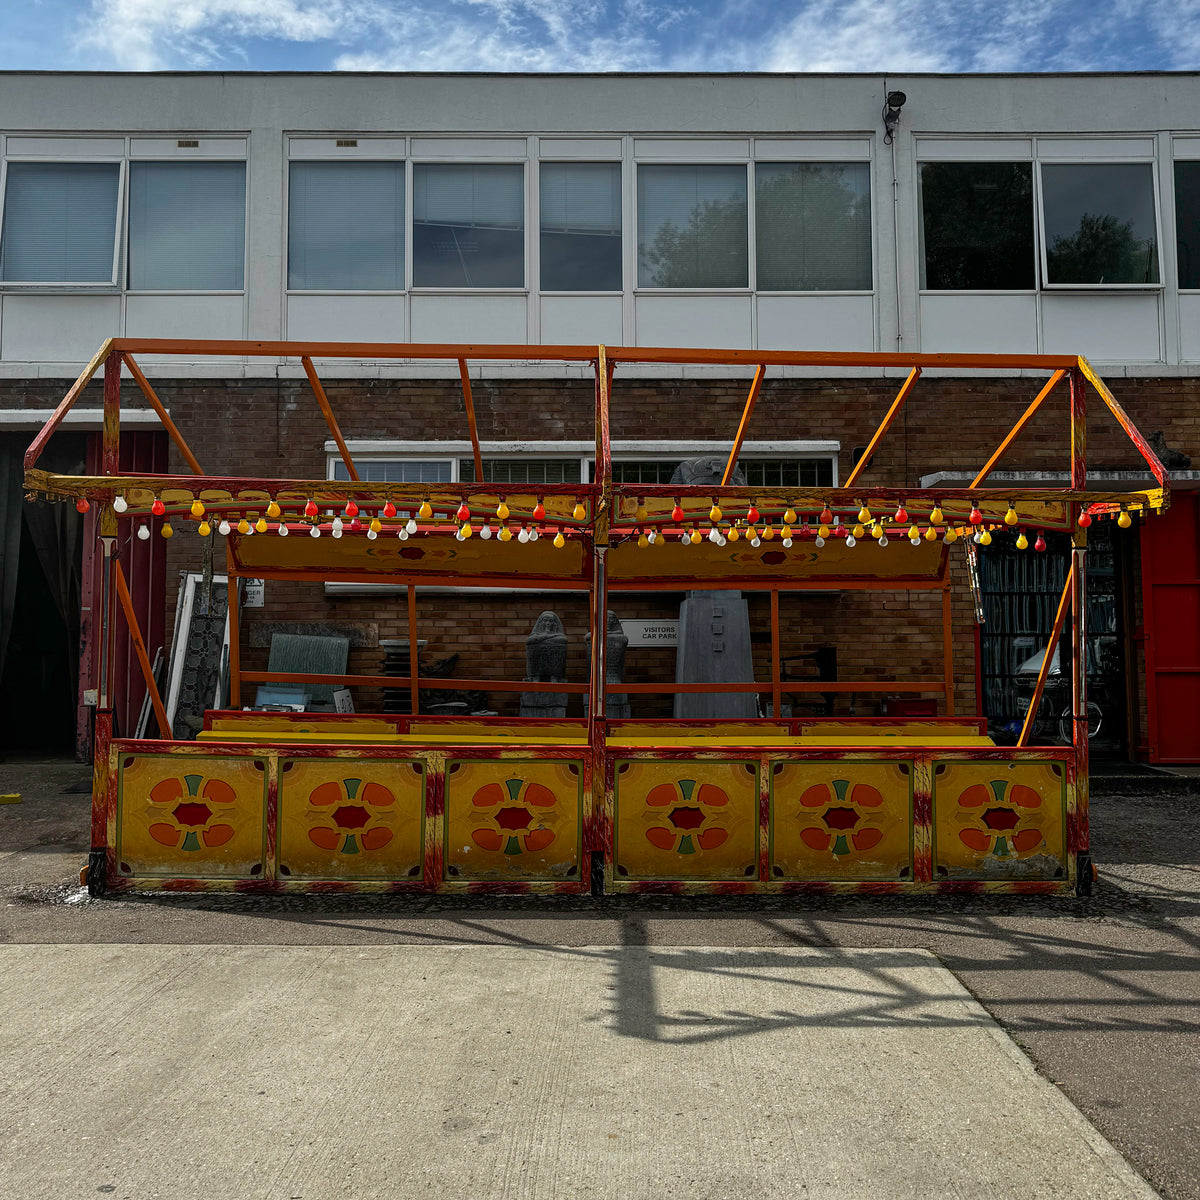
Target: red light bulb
351, 509
1040, 544
1085, 519
82, 505
752, 515
677, 514
310, 509
389, 509
976, 517
539, 511
158, 508
901, 515
464, 512
826, 517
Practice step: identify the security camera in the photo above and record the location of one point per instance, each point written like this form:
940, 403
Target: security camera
891, 114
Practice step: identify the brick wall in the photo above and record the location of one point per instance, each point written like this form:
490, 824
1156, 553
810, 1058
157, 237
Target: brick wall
274, 429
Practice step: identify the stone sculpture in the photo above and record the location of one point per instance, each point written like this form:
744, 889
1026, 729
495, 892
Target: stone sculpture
545, 662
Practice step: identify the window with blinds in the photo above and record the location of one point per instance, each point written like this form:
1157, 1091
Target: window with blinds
692, 226
60, 223
469, 225
346, 226
580, 227
760, 472
812, 227
522, 470
187, 226
398, 470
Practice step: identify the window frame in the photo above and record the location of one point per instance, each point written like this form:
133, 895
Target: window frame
1174, 159
406, 236
116, 280
245, 164
528, 208
1041, 161
559, 161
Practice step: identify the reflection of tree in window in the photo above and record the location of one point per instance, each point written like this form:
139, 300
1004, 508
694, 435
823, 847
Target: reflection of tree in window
1102, 250
813, 226
978, 226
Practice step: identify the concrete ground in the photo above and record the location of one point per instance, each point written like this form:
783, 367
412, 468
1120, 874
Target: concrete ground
513, 1071
1103, 994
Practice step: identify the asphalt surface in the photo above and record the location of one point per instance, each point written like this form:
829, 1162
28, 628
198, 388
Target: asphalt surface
1102, 993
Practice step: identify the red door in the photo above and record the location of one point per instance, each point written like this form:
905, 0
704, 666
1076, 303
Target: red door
1171, 615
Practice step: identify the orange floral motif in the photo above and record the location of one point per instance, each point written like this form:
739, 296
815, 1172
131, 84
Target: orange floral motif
352, 807
517, 826
1005, 823
689, 818
842, 826
196, 812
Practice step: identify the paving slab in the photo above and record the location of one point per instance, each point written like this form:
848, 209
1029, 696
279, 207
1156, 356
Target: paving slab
530, 1072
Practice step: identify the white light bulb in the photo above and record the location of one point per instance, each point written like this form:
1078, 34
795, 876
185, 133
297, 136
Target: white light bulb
144, 532
883, 539
978, 536
820, 541
756, 542
722, 540
315, 531
713, 535
371, 535
223, 528
120, 504
787, 543
411, 527
523, 536
914, 541
486, 533
534, 535
337, 533
403, 535
851, 540
283, 529
652, 537
337, 526
458, 537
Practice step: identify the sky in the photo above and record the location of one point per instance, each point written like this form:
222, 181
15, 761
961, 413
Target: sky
600, 35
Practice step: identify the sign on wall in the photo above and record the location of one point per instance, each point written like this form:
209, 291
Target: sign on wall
652, 633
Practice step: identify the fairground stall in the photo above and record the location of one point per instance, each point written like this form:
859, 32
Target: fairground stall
370, 801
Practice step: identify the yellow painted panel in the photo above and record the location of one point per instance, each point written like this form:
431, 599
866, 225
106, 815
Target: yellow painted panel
513, 819
190, 816
930, 728
841, 820
860, 740
999, 820
286, 723
347, 818
463, 729
686, 820
618, 731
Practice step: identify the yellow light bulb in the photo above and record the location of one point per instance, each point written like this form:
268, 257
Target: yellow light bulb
714, 514
424, 512
785, 530
876, 530
985, 538
376, 525
936, 516
1022, 541
823, 530
696, 537
768, 532
197, 508
559, 540
261, 525
579, 511
466, 530
733, 534
502, 511
1010, 517
789, 518
166, 530
1124, 520
931, 534
643, 540
505, 534
951, 534
913, 533
751, 532
857, 531
864, 515
272, 510
243, 526
204, 529
641, 513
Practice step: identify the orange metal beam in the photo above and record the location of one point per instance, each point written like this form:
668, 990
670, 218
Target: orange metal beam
235, 633
163, 415
469, 404
747, 412
1043, 674
139, 648
66, 403
1013, 433
393, 681
884, 426
330, 419
1152, 460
